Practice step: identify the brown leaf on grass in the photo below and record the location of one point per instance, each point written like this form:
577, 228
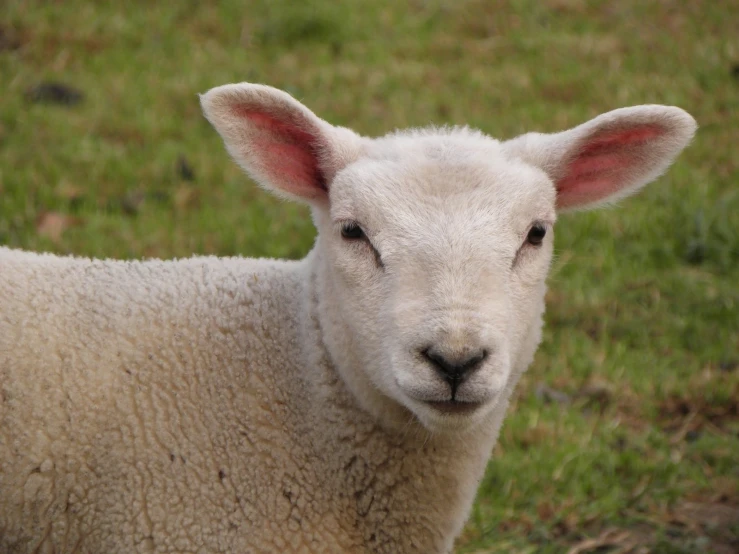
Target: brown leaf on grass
545, 510
68, 191
521, 523
53, 224
185, 197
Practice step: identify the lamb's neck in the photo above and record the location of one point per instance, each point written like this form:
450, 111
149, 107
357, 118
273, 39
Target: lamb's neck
366, 463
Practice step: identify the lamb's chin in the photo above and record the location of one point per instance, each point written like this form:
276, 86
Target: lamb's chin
451, 417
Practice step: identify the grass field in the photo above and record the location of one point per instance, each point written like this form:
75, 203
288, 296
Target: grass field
625, 433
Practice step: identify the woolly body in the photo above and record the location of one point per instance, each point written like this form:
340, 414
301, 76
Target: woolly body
240, 405
189, 406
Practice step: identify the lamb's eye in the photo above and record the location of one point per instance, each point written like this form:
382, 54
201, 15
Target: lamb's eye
352, 231
536, 234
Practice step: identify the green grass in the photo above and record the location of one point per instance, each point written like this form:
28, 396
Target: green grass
643, 314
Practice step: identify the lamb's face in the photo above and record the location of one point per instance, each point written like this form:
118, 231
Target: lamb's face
439, 247
434, 246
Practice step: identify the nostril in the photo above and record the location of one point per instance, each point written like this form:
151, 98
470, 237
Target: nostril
477, 358
454, 369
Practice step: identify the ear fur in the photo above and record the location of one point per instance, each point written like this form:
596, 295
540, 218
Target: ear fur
609, 157
279, 142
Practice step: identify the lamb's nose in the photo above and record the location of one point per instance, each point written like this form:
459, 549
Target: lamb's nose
454, 369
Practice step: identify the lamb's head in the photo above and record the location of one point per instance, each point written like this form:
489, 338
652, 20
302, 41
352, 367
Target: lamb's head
434, 245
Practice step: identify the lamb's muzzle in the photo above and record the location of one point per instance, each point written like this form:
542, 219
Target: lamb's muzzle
454, 367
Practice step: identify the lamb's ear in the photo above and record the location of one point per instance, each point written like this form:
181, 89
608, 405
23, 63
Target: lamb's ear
610, 156
282, 144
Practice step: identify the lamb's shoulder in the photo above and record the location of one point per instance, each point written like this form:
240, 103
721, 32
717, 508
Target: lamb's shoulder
146, 380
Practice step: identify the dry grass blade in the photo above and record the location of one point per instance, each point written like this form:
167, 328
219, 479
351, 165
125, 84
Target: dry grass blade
609, 537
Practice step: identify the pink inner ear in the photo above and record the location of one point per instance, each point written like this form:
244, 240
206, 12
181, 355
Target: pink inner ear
287, 153
602, 166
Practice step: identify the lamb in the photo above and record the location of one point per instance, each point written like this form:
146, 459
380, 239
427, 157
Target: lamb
348, 402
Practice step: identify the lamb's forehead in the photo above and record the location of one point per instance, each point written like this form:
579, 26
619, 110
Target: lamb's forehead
449, 170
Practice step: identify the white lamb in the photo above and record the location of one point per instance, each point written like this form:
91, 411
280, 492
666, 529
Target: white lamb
347, 402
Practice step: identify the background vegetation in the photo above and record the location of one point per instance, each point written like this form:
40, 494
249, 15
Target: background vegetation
625, 434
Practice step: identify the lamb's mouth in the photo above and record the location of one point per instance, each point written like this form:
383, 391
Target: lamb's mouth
454, 407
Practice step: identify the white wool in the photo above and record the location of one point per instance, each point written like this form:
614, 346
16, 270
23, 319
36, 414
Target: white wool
348, 402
